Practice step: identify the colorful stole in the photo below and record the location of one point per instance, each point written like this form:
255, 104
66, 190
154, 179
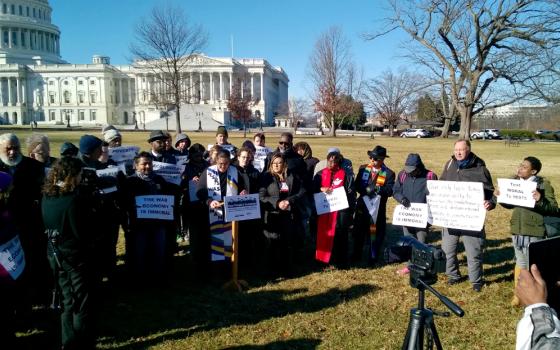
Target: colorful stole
379, 178
326, 223
220, 231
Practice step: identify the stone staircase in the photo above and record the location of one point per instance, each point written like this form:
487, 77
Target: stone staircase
191, 114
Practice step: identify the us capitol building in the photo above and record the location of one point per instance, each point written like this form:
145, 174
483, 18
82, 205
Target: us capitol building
36, 84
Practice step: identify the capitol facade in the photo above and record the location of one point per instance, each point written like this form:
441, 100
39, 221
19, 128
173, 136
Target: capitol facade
37, 85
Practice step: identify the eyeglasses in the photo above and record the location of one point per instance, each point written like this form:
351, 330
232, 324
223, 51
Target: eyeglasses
284, 143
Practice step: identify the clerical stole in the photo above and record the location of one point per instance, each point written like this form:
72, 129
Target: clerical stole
378, 176
220, 231
326, 223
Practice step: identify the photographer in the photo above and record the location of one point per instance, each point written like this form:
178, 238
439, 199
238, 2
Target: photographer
539, 328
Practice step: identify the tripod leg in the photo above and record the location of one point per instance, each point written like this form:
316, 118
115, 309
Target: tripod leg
414, 339
431, 327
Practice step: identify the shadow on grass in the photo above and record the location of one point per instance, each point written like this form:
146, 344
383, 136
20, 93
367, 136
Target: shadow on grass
180, 310
293, 344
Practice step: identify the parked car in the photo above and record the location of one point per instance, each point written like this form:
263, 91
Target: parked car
418, 133
542, 132
493, 133
481, 134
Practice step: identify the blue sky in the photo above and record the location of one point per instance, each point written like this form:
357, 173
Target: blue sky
283, 32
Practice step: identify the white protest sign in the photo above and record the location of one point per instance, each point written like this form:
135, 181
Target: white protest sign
239, 208
12, 258
170, 172
123, 153
372, 205
154, 207
517, 192
414, 216
181, 160
456, 204
111, 172
260, 156
229, 147
330, 202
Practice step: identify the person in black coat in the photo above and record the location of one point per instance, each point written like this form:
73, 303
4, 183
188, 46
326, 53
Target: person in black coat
279, 193
157, 141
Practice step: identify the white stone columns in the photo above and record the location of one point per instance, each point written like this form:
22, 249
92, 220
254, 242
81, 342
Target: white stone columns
252, 87
121, 99
201, 87
212, 97
10, 43
24, 93
129, 85
1, 91
18, 93
76, 92
230, 84
59, 94
10, 103
101, 83
221, 87
262, 87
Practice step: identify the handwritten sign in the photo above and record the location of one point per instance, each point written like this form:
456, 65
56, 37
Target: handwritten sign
239, 208
414, 216
170, 172
154, 207
330, 202
372, 205
12, 258
455, 204
517, 192
123, 153
260, 156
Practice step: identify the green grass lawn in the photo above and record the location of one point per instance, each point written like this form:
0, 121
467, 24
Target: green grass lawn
359, 308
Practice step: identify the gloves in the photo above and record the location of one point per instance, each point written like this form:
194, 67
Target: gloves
405, 202
371, 191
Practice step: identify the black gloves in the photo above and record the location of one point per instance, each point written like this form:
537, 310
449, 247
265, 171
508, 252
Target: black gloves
405, 202
371, 191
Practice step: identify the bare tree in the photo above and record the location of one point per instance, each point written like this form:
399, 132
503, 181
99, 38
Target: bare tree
240, 107
392, 96
295, 109
165, 44
331, 73
495, 52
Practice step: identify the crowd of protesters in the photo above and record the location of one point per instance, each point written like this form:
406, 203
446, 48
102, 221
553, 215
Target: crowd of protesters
60, 218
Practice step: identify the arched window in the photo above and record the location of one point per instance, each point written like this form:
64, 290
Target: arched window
67, 96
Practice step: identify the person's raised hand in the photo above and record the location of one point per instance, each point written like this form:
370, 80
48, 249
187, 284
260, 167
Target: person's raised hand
531, 288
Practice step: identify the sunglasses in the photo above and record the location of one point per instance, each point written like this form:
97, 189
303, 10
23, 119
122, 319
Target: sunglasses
284, 143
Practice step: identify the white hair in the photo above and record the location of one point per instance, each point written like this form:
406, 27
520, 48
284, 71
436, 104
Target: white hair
9, 137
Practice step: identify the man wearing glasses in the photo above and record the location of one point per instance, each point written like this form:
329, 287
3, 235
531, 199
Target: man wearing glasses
374, 183
296, 164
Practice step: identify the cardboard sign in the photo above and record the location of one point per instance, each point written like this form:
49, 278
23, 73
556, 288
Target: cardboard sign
155, 207
170, 172
414, 216
372, 205
517, 192
123, 153
239, 208
330, 202
12, 257
455, 204
260, 156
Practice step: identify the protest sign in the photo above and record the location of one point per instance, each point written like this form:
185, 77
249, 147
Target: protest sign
372, 205
154, 207
111, 172
123, 153
170, 172
414, 216
517, 192
239, 208
455, 204
329, 202
12, 258
230, 148
260, 156
181, 160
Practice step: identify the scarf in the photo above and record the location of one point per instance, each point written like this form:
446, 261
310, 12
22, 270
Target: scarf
220, 231
379, 178
326, 223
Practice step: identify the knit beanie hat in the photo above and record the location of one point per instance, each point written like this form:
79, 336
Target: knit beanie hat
68, 149
89, 143
111, 135
222, 131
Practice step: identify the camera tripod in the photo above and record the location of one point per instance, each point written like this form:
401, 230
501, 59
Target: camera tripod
421, 320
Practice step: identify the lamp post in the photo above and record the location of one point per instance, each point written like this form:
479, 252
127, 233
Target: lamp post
135, 120
199, 114
258, 114
67, 113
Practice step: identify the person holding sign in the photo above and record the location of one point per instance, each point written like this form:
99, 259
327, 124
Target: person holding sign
279, 192
149, 223
217, 182
261, 151
157, 141
410, 187
374, 183
222, 141
466, 166
332, 227
527, 224
67, 219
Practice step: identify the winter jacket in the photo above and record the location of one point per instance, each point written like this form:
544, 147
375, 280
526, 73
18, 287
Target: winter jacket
414, 189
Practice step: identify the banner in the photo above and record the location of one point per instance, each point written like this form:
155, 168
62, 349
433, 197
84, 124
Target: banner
456, 204
240, 208
327, 203
12, 258
123, 153
517, 192
372, 205
260, 157
170, 172
155, 207
414, 216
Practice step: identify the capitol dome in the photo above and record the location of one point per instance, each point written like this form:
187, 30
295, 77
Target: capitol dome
27, 35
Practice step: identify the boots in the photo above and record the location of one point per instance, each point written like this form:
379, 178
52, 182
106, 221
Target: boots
515, 300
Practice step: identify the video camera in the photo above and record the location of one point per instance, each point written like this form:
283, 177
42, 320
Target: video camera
425, 261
